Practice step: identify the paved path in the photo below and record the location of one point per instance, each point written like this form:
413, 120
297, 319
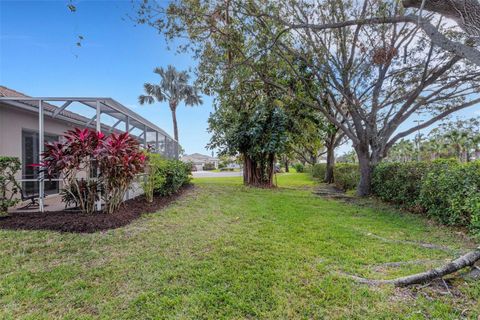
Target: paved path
210, 174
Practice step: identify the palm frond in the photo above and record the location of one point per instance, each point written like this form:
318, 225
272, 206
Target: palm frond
142, 99
156, 91
173, 86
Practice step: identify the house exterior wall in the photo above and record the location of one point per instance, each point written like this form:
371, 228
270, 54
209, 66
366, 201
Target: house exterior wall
199, 160
14, 120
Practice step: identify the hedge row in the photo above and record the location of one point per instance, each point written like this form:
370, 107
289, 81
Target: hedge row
346, 174
399, 183
317, 171
299, 167
446, 190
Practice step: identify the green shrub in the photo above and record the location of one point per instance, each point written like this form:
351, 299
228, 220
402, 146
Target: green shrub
169, 175
318, 170
189, 166
299, 167
346, 176
451, 193
9, 187
399, 183
446, 190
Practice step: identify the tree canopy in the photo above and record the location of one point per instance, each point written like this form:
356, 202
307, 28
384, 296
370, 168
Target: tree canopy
375, 75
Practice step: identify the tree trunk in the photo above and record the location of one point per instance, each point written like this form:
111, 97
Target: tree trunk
365, 167
286, 166
258, 174
173, 108
330, 164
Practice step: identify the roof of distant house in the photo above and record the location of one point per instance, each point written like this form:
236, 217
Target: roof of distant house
198, 157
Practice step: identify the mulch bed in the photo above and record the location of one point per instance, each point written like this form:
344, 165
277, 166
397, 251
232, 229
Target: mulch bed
76, 222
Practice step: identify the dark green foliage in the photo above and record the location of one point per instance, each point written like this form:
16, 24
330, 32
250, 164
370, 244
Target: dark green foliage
346, 176
9, 187
170, 175
254, 131
300, 168
318, 171
257, 131
451, 193
209, 166
399, 183
446, 190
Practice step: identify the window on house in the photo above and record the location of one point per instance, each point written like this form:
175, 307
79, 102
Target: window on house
30, 155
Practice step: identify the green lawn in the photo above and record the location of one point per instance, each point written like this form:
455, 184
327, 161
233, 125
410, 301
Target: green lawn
226, 251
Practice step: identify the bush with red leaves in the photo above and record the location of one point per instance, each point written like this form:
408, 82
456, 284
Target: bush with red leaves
113, 162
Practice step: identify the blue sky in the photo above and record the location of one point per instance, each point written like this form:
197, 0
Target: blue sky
39, 57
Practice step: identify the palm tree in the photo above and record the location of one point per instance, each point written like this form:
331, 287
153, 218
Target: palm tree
476, 146
402, 151
174, 88
436, 147
457, 140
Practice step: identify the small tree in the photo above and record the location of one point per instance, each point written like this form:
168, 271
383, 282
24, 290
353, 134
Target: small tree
257, 131
9, 187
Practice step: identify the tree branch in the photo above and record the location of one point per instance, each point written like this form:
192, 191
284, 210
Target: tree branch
432, 120
430, 30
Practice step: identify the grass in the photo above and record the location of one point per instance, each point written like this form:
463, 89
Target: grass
227, 251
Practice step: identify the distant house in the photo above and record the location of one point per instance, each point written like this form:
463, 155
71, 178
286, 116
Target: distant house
199, 160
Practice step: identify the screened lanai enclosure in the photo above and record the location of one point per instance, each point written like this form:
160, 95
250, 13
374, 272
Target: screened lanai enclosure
37, 120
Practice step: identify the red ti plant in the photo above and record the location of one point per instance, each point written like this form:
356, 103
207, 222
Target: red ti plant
72, 158
116, 158
120, 159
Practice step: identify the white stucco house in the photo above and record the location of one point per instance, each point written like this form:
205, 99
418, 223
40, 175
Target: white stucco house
199, 160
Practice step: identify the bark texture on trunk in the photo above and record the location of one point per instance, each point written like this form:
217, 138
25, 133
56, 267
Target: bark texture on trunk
258, 173
173, 108
465, 13
330, 164
464, 261
333, 140
365, 167
467, 260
